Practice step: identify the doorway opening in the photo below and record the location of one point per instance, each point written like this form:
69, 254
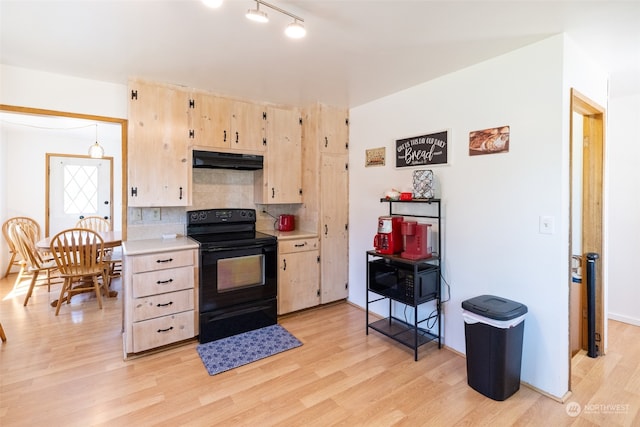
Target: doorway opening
587, 145
121, 138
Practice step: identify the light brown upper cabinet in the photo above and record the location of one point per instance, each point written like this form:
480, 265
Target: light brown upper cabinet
281, 179
158, 155
226, 124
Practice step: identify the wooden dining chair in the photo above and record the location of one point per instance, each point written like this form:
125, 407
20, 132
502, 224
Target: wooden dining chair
98, 223
95, 223
14, 256
78, 253
32, 261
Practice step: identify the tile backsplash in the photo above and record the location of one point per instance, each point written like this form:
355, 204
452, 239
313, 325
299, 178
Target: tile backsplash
211, 188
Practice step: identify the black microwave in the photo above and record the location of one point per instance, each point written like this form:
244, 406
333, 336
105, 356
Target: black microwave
403, 282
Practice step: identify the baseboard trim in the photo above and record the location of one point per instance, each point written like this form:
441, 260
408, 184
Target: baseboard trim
624, 319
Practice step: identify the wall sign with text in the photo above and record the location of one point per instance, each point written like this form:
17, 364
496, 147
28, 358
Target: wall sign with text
430, 149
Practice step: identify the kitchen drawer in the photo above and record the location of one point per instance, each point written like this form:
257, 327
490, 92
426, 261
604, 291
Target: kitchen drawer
161, 261
300, 245
162, 331
162, 305
162, 281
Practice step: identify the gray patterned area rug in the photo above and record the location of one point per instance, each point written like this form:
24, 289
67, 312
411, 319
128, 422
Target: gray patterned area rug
228, 353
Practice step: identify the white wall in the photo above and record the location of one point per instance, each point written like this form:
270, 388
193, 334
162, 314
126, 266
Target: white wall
492, 203
37, 89
623, 152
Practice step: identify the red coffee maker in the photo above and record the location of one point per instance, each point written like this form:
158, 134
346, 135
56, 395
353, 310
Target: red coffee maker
389, 238
417, 240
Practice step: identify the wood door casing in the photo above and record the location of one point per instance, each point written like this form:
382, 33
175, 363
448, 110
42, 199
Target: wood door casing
593, 146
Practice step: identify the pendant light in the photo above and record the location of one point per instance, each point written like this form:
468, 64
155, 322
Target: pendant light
96, 151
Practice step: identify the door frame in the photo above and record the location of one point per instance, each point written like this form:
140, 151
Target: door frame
593, 117
123, 138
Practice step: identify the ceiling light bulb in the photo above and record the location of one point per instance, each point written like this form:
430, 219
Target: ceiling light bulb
96, 151
295, 30
257, 15
213, 4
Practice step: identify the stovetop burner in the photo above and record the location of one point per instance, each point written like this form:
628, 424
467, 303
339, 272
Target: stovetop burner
225, 227
239, 238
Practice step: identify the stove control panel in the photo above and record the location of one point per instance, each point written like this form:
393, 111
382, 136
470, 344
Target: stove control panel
217, 216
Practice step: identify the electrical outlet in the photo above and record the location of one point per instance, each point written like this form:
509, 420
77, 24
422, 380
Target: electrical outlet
547, 225
136, 214
155, 214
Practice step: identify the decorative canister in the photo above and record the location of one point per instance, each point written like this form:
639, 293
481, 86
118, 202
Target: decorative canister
423, 184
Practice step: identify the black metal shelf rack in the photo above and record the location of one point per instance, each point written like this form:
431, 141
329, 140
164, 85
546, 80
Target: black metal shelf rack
412, 335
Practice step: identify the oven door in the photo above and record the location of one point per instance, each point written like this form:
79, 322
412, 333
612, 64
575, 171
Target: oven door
237, 275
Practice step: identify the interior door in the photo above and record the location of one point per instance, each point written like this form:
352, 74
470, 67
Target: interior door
77, 186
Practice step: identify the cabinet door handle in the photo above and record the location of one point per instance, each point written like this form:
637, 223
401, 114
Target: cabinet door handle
225, 136
164, 282
180, 195
273, 192
165, 330
164, 260
237, 137
164, 305
326, 142
284, 264
326, 229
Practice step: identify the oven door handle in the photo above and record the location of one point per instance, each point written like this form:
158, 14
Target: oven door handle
235, 248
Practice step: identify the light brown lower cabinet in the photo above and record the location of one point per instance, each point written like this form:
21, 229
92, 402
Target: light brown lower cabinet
159, 293
298, 274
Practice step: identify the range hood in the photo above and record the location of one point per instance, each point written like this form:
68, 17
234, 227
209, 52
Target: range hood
217, 160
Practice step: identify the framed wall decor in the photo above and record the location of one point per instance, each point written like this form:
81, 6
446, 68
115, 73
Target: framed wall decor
430, 149
374, 157
489, 141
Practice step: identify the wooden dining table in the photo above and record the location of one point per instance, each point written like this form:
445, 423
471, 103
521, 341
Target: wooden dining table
111, 239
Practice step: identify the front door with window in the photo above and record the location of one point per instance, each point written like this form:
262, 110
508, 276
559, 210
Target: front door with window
78, 186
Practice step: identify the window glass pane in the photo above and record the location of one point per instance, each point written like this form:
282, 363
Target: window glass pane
80, 189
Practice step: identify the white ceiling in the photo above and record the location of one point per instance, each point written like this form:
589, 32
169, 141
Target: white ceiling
355, 50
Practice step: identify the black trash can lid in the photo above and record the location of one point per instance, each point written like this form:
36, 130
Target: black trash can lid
494, 307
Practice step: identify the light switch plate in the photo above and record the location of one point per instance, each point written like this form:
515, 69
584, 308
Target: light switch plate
547, 225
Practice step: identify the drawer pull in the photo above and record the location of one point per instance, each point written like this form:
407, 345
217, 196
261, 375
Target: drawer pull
164, 260
164, 305
165, 330
164, 282
300, 245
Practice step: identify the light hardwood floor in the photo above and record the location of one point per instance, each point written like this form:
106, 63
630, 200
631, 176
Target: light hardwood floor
68, 370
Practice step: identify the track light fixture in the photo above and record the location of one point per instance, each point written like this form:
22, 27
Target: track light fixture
213, 4
295, 30
256, 14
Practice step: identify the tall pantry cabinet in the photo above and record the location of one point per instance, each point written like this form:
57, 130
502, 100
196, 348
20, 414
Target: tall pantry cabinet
158, 153
325, 183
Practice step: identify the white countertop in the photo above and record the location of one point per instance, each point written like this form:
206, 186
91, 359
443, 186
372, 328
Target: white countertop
290, 235
140, 247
